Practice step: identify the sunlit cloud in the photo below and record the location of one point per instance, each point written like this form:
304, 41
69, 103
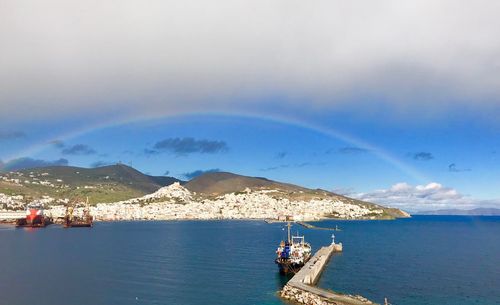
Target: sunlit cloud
431, 196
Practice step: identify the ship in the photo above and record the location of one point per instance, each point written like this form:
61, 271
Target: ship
73, 221
292, 254
35, 217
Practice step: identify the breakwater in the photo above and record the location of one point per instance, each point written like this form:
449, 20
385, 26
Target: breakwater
310, 226
301, 287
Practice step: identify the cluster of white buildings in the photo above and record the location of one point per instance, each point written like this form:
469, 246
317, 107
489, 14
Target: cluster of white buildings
18, 202
11, 202
7, 178
176, 202
31, 178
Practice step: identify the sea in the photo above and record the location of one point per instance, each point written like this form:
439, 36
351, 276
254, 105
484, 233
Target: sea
435, 260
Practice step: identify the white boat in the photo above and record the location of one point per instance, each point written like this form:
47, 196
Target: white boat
293, 253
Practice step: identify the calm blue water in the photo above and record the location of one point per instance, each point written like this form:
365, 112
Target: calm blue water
423, 260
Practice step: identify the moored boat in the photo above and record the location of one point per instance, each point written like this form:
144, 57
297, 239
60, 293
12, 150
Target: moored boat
35, 217
73, 221
293, 253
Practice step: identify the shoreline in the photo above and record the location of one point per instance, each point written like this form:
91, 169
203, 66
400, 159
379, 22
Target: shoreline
267, 221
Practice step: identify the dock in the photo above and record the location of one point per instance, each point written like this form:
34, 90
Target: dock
310, 226
301, 287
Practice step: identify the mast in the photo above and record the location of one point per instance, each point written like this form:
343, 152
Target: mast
289, 240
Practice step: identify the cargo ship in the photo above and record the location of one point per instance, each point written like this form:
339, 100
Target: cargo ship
292, 254
35, 217
72, 221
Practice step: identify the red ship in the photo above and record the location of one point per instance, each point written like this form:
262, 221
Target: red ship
35, 217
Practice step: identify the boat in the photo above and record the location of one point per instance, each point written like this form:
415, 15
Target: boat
35, 217
292, 254
73, 221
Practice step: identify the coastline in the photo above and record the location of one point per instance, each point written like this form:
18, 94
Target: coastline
56, 222
175, 202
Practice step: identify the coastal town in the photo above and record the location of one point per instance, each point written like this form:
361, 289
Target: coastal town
175, 202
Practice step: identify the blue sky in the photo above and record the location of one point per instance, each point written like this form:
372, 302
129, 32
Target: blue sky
393, 102
369, 154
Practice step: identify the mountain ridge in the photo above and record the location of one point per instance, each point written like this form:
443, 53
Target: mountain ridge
106, 183
120, 182
225, 182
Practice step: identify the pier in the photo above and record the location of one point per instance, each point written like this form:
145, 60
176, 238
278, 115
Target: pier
301, 287
310, 226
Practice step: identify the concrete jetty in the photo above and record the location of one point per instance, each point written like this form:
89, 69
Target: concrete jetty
310, 226
301, 287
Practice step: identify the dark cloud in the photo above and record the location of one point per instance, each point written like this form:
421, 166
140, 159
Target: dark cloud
422, 156
281, 155
24, 163
266, 56
9, 135
272, 168
196, 173
348, 150
57, 143
188, 145
148, 151
453, 168
79, 149
101, 164
291, 165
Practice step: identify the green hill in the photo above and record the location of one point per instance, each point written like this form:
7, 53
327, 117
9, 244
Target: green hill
102, 184
120, 182
223, 182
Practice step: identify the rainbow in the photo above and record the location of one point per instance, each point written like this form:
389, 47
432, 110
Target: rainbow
295, 122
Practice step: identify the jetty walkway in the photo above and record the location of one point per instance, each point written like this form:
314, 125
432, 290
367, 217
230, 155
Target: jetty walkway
310, 226
301, 287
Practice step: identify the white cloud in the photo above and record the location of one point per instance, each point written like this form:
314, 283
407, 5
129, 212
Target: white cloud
169, 56
432, 196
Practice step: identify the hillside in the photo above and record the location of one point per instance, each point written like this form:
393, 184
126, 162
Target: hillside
230, 194
175, 202
211, 185
102, 184
223, 182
